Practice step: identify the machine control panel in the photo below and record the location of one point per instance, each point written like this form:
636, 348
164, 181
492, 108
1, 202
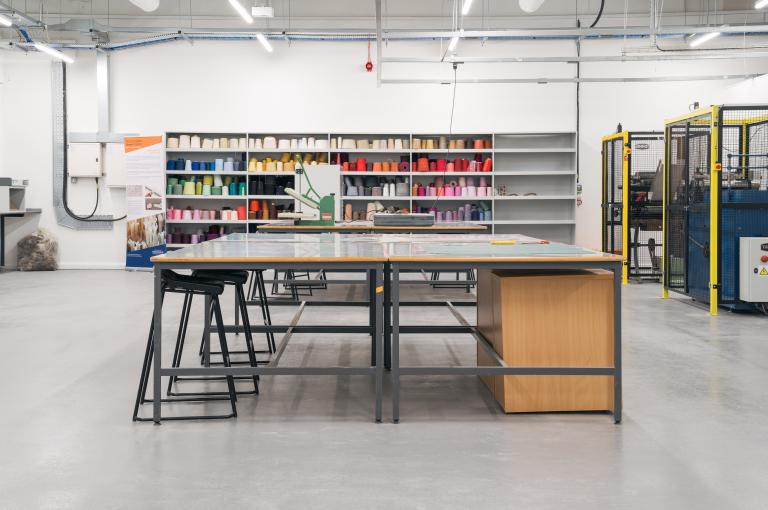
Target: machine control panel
753, 269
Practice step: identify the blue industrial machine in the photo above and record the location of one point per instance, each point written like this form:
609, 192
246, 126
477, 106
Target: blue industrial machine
715, 193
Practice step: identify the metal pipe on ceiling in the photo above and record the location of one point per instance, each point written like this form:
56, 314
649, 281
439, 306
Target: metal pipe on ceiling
544, 81
651, 57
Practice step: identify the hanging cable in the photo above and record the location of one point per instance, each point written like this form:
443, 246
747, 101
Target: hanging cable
599, 14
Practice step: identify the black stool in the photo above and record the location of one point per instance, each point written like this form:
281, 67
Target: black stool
190, 287
469, 274
236, 279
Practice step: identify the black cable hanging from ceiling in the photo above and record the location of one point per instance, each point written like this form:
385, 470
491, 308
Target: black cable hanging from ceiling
599, 14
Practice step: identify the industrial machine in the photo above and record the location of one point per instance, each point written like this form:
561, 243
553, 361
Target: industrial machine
715, 194
632, 201
324, 206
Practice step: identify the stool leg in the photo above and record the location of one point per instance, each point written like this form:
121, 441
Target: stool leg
224, 351
237, 315
274, 282
263, 299
240, 296
141, 394
183, 323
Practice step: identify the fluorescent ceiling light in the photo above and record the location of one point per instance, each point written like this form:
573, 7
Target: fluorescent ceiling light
699, 39
760, 4
241, 11
264, 42
468, 4
453, 43
5, 21
54, 53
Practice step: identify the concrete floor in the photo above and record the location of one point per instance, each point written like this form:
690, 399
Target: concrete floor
695, 432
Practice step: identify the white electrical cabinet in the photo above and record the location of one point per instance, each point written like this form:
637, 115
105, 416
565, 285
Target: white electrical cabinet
753, 269
84, 160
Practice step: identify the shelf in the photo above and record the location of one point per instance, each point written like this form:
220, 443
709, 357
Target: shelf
207, 197
534, 149
369, 151
177, 245
445, 199
257, 173
452, 151
534, 222
534, 172
202, 172
376, 173
207, 222
273, 151
536, 197
272, 197
453, 173
212, 151
374, 199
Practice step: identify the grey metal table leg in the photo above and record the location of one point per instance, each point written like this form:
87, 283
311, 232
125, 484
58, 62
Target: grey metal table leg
379, 340
617, 343
157, 343
387, 317
2, 241
371, 278
395, 362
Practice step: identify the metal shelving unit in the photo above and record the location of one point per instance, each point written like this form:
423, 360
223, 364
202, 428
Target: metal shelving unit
540, 163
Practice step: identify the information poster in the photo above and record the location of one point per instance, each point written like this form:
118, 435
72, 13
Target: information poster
145, 199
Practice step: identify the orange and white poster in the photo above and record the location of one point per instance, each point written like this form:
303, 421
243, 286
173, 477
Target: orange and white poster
145, 199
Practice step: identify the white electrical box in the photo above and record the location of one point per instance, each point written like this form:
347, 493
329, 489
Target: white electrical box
753, 269
84, 160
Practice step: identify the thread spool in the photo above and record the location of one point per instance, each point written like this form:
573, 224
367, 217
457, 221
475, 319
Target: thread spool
471, 191
206, 189
481, 191
216, 143
404, 166
251, 143
241, 214
478, 144
487, 165
187, 215
348, 212
189, 188
360, 165
460, 144
194, 142
207, 143
258, 144
229, 166
184, 141
234, 143
448, 190
270, 142
216, 190
443, 143
172, 142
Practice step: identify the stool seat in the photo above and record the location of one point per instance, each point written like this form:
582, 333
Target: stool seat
175, 282
224, 276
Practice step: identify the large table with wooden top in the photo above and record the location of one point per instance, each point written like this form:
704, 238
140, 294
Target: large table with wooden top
360, 226
383, 257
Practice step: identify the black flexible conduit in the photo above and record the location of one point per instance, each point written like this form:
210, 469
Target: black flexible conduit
599, 14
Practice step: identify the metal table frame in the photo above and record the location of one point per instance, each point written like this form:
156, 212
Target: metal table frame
393, 332
375, 280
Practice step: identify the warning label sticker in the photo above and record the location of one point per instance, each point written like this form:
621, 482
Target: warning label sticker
764, 271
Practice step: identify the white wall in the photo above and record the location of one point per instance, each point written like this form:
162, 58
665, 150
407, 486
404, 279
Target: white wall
235, 86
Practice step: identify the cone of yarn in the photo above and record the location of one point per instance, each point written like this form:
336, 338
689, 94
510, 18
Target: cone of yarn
172, 142
189, 188
216, 143
348, 212
258, 144
184, 142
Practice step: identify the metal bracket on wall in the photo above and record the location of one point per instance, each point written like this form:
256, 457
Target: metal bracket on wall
57, 101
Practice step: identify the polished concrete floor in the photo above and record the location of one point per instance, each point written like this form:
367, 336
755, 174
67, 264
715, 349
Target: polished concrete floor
695, 432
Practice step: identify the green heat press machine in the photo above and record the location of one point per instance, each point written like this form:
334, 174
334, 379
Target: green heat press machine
324, 206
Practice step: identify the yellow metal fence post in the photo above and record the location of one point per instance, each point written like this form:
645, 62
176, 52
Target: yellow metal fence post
714, 208
626, 155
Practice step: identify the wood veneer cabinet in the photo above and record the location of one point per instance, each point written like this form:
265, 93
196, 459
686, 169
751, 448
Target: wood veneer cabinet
535, 319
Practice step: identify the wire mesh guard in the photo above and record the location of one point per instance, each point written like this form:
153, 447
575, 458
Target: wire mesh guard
744, 189
613, 177
742, 209
645, 205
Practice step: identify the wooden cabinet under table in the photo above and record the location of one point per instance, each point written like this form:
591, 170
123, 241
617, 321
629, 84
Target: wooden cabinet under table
545, 319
